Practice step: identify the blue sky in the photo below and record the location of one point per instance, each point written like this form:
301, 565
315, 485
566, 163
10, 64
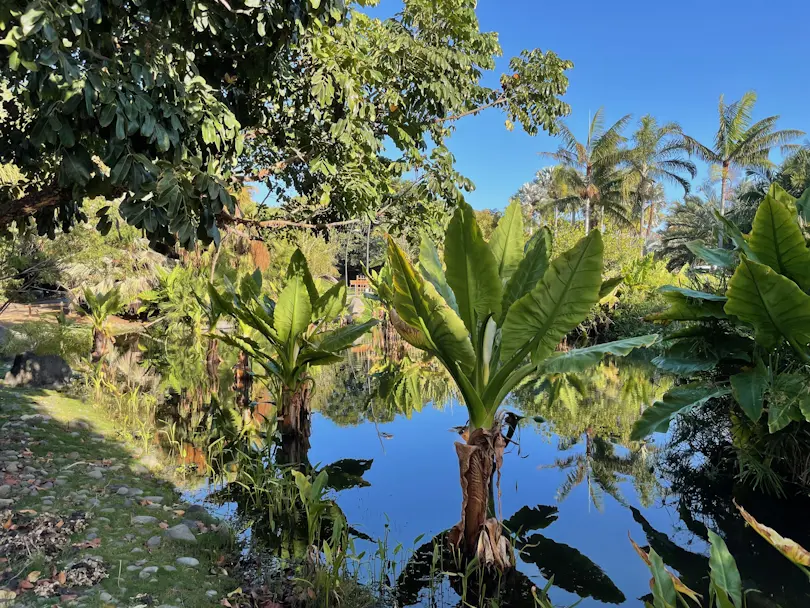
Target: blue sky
636, 57
632, 57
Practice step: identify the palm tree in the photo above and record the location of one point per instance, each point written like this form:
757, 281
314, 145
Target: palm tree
549, 191
740, 144
657, 156
591, 168
690, 220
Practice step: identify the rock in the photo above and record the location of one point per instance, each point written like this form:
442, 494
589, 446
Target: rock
137, 550
133, 568
45, 371
95, 474
107, 510
12, 467
105, 597
144, 519
196, 510
147, 572
60, 481
153, 542
122, 491
181, 533
135, 492
158, 500
188, 562
5, 490
170, 568
211, 593
6, 502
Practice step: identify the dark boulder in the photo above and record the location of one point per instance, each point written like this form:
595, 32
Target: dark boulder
43, 371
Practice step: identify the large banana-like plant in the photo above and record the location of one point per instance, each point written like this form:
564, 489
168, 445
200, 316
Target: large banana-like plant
493, 314
101, 306
767, 307
290, 335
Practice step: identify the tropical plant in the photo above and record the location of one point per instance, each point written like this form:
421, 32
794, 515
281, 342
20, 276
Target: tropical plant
657, 156
592, 167
687, 221
740, 144
725, 583
100, 307
493, 315
292, 335
760, 327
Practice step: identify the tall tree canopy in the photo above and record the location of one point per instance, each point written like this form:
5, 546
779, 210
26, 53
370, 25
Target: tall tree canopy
171, 105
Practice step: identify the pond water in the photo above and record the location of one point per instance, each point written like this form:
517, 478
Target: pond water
572, 483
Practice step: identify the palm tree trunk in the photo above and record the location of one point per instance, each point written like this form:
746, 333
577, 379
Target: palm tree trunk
723, 177
243, 381
649, 226
641, 231
556, 217
587, 215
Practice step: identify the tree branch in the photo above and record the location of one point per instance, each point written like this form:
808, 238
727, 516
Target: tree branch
486, 106
49, 196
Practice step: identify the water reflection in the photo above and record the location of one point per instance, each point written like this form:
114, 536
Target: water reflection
383, 429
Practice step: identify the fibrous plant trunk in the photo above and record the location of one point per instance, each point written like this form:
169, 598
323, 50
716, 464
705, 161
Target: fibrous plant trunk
479, 533
296, 424
100, 345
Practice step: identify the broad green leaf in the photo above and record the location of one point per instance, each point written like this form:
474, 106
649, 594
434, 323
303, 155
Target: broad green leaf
472, 272
506, 243
803, 206
687, 357
733, 232
723, 570
299, 268
529, 271
777, 240
76, 167
293, 310
772, 304
656, 418
419, 306
609, 286
689, 305
343, 337
722, 258
787, 400
663, 587
749, 389
431, 268
559, 302
328, 306
580, 359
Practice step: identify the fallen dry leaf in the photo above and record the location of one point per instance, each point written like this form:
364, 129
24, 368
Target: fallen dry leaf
25, 585
33, 576
27, 512
179, 512
60, 523
88, 544
786, 546
225, 602
61, 577
163, 525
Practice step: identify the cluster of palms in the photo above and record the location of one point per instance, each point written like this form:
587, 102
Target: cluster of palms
622, 178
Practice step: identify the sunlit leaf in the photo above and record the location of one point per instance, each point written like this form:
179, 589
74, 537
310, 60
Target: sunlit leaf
562, 300
529, 271
777, 240
293, 309
656, 418
506, 243
772, 304
471, 269
723, 570
580, 359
